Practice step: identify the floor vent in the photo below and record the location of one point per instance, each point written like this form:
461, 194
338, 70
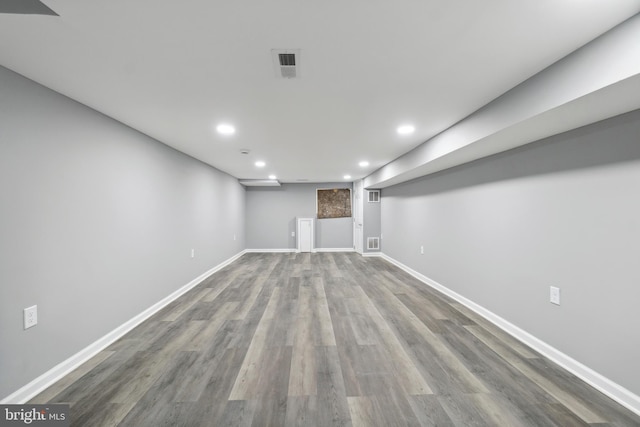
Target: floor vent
286, 63
373, 243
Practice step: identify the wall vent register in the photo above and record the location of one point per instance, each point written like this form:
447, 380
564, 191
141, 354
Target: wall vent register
373, 243
286, 63
374, 196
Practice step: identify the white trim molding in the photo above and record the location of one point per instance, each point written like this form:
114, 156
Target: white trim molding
601, 383
260, 251
38, 385
372, 254
296, 251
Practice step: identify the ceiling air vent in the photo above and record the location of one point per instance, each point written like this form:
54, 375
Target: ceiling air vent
286, 63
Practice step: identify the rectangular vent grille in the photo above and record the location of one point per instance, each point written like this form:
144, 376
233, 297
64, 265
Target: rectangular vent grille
374, 196
286, 63
288, 72
288, 59
373, 243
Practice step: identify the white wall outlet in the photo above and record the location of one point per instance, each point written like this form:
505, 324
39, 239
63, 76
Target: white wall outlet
193, 253
293, 234
30, 316
234, 237
422, 250
554, 295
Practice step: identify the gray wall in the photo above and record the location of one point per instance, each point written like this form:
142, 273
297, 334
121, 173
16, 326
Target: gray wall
271, 217
97, 223
565, 212
372, 222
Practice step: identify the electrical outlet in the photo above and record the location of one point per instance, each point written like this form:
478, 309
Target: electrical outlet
193, 253
293, 234
422, 250
554, 295
234, 237
30, 316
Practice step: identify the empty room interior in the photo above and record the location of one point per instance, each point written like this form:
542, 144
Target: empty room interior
321, 214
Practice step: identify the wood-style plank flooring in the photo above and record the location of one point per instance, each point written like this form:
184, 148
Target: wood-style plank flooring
326, 339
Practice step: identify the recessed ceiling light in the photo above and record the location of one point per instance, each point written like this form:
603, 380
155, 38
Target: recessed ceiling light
347, 177
363, 164
272, 177
260, 164
406, 129
225, 129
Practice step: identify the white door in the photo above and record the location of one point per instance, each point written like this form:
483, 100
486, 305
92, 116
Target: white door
305, 234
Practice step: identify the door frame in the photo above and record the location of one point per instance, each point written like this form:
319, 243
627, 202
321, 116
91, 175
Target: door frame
358, 216
298, 234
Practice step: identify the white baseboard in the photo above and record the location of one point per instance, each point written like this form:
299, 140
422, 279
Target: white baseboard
372, 254
260, 251
47, 379
615, 391
295, 250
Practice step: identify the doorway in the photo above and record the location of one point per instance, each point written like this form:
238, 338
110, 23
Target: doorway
305, 234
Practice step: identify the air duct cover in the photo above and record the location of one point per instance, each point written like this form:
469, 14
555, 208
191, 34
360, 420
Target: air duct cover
286, 63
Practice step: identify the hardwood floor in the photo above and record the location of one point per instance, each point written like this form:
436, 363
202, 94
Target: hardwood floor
326, 339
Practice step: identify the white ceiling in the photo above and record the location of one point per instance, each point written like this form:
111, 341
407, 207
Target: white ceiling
174, 70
